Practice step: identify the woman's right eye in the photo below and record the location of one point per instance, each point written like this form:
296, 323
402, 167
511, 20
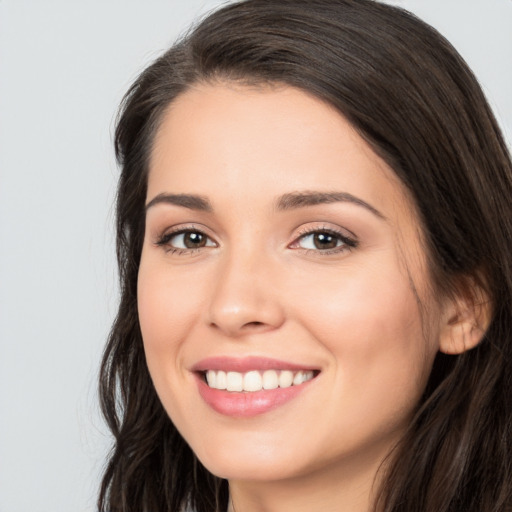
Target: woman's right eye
185, 240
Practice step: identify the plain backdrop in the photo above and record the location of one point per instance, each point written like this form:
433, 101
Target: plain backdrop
64, 66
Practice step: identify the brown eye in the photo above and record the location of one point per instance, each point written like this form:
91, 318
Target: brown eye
186, 240
325, 241
321, 240
194, 240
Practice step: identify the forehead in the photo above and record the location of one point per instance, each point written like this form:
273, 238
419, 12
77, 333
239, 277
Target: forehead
226, 141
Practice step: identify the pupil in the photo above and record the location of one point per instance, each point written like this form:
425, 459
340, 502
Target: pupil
194, 240
325, 241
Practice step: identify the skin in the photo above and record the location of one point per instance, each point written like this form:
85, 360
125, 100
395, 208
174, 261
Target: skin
259, 287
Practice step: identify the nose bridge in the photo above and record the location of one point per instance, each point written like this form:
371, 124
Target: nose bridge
244, 296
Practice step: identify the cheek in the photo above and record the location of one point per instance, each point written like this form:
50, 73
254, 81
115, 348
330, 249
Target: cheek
166, 316
370, 322
166, 304
357, 301
168, 308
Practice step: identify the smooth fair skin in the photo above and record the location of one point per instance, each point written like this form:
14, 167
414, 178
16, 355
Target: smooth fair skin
273, 230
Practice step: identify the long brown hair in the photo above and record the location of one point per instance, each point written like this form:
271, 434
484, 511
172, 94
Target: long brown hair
414, 100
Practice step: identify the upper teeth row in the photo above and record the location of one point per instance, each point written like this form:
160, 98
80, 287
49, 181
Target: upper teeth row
256, 381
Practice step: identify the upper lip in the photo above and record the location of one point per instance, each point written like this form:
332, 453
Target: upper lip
246, 364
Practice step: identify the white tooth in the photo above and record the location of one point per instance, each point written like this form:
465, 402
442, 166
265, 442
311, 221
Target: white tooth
252, 381
298, 378
210, 378
270, 380
307, 376
234, 381
285, 379
220, 380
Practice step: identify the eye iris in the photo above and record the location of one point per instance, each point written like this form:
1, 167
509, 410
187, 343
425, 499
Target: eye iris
325, 241
193, 240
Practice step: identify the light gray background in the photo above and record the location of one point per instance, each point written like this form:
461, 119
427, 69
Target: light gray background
64, 66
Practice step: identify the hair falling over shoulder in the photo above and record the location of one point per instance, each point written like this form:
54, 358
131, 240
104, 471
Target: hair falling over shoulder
414, 100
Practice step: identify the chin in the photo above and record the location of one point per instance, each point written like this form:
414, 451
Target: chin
249, 460
239, 468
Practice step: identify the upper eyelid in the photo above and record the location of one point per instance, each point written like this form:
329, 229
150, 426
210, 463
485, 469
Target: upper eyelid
324, 227
183, 228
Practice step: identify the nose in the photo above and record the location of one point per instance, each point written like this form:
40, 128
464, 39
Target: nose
245, 298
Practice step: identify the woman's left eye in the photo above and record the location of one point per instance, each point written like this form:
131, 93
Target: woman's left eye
323, 240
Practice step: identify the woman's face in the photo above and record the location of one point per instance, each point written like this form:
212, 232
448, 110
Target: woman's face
280, 249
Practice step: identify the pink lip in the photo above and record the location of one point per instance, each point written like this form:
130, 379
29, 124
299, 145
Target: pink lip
246, 404
246, 364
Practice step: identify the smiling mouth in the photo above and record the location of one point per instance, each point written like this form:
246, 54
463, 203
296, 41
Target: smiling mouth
256, 380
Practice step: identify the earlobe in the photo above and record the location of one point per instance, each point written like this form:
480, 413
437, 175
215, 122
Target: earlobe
466, 319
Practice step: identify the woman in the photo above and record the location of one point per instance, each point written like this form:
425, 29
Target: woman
314, 238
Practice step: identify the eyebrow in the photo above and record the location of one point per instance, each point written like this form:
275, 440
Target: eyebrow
295, 200
290, 201
190, 201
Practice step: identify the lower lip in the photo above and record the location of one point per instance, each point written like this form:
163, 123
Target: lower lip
247, 404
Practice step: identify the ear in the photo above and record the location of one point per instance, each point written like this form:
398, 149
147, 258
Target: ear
466, 317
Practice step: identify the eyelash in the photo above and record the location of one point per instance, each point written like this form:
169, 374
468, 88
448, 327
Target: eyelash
347, 243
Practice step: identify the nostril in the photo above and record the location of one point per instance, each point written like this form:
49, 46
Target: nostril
253, 324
